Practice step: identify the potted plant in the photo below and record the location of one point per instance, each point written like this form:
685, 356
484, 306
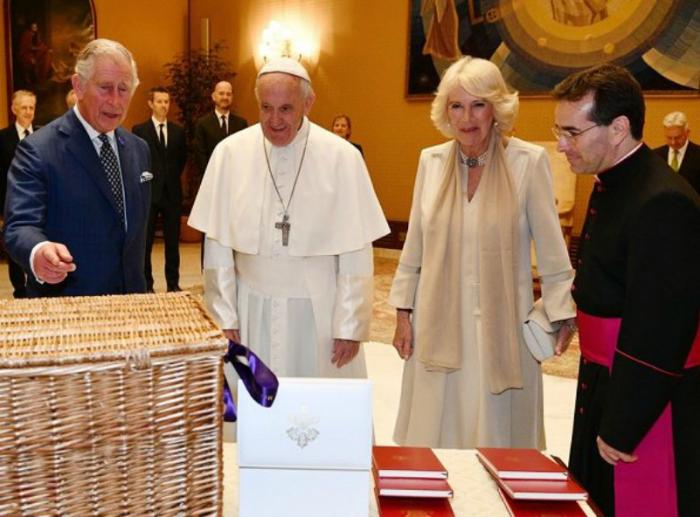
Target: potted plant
192, 76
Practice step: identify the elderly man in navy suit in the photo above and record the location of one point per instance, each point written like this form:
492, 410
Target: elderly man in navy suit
79, 190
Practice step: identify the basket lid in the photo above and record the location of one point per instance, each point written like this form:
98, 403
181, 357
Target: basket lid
59, 331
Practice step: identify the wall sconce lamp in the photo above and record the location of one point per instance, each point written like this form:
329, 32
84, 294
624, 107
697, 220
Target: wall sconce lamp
280, 41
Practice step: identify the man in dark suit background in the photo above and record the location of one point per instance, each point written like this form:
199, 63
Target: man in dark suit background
211, 128
23, 108
166, 140
79, 191
682, 155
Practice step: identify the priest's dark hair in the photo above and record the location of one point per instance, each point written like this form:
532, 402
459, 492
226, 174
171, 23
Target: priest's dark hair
615, 93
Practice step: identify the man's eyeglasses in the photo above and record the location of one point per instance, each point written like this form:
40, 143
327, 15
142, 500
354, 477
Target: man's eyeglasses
570, 134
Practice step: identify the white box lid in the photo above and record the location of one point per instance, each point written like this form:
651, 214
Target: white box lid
313, 423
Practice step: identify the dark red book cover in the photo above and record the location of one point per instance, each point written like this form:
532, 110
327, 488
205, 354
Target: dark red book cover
511, 463
413, 507
407, 462
543, 489
520, 508
412, 487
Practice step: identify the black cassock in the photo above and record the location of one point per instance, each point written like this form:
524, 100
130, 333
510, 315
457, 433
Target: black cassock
640, 261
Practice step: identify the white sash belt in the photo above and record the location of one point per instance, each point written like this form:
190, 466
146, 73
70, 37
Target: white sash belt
277, 277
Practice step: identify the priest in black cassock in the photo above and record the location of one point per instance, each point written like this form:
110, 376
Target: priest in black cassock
637, 287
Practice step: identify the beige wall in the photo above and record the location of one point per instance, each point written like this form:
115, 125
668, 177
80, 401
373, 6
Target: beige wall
360, 70
152, 30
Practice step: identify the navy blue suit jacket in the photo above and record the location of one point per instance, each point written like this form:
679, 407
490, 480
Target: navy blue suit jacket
58, 191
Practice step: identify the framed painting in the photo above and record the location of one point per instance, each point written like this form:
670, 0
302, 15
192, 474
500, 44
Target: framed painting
43, 41
536, 43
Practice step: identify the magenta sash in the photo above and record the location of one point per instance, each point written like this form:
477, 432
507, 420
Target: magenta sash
647, 486
598, 340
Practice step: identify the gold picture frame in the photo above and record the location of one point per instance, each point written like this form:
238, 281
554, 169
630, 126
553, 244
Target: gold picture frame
43, 41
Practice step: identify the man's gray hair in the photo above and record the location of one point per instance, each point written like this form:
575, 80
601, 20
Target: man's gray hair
676, 119
85, 64
22, 93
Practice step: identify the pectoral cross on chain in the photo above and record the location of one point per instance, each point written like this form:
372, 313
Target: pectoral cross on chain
285, 226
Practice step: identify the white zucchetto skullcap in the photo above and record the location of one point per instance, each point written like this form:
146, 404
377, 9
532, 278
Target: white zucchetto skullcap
285, 65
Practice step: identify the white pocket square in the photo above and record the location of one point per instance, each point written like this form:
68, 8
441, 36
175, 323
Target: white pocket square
146, 176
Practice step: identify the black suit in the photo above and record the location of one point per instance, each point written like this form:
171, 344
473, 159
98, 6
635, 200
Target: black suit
208, 133
8, 143
167, 164
690, 166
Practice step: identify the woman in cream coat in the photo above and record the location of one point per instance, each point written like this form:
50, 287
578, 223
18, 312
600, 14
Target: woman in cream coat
464, 283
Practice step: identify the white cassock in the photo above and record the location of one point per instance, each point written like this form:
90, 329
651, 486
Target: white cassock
290, 302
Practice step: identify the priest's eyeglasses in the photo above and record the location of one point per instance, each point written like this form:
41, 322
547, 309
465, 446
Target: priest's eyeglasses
570, 134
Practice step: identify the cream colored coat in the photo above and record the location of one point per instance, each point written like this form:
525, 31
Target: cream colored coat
457, 410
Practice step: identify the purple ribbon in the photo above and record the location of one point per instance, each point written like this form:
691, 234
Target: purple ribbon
257, 378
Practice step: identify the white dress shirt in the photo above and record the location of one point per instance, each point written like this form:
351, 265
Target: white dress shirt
21, 130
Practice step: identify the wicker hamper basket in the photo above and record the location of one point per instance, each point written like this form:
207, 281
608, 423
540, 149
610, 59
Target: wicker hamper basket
110, 405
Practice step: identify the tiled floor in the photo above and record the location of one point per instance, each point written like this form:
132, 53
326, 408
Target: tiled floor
384, 366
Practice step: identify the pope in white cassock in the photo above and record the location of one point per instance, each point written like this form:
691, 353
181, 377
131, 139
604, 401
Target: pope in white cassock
290, 214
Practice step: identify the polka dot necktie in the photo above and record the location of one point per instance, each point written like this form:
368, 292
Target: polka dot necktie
111, 166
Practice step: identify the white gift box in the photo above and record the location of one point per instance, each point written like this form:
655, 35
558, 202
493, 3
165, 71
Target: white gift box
310, 453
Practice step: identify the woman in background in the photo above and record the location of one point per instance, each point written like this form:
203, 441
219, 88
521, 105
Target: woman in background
342, 126
463, 286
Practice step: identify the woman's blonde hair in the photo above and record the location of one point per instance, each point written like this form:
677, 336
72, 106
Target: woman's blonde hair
482, 79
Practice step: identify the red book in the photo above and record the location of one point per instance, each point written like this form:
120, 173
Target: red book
519, 508
543, 489
508, 463
407, 462
412, 487
414, 507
